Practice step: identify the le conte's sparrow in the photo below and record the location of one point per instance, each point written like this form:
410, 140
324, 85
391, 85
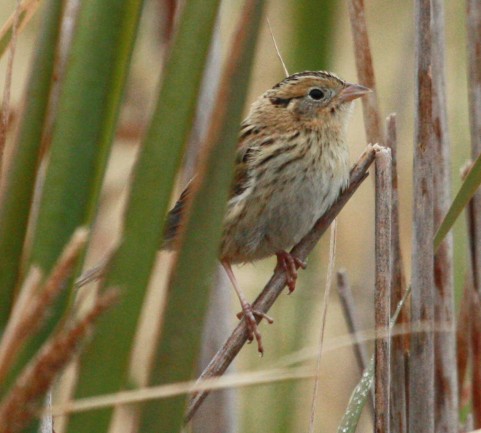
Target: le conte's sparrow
292, 163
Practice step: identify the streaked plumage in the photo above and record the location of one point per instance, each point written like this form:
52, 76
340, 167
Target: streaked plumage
292, 162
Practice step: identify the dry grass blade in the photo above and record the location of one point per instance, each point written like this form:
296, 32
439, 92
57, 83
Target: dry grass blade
276, 284
421, 372
32, 305
7, 87
18, 408
382, 297
365, 71
26, 10
281, 371
234, 380
325, 303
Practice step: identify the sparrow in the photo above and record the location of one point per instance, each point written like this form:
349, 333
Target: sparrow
292, 162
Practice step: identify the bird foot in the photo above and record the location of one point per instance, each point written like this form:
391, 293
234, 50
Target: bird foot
249, 314
290, 264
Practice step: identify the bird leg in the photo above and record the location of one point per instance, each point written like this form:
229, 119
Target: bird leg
248, 312
290, 264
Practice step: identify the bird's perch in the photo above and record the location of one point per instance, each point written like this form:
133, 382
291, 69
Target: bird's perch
276, 284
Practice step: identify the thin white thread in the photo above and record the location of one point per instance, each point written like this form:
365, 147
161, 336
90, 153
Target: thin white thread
330, 273
277, 48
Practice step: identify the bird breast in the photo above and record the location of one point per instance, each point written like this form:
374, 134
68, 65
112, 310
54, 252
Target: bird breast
291, 186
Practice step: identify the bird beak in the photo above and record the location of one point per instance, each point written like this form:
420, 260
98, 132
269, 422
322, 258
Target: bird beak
353, 91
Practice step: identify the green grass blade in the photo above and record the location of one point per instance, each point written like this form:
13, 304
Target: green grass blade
314, 26
20, 181
464, 195
106, 370
84, 126
358, 399
362, 390
193, 276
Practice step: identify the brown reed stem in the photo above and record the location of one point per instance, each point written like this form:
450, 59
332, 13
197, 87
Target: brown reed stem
382, 296
446, 382
276, 284
421, 372
399, 343
473, 12
476, 356
463, 338
473, 17
365, 71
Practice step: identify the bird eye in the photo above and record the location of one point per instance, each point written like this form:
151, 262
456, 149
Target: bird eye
316, 94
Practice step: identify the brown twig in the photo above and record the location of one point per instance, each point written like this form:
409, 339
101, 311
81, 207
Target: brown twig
382, 298
276, 284
349, 310
19, 406
399, 343
365, 71
446, 400
421, 373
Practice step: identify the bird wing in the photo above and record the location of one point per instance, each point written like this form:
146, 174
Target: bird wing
246, 149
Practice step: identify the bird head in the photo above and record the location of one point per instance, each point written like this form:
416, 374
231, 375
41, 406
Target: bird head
315, 98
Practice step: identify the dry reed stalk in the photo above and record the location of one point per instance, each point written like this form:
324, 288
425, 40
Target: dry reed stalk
235, 380
276, 284
16, 332
473, 13
400, 343
19, 406
463, 338
365, 71
7, 86
473, 17
446, 382
464, 322
27, 10
382, 296
421, 372
35, 300
352, 321
476, 356
281, 371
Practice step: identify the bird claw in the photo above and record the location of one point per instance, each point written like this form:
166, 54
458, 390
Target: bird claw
290, 264
250, 315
